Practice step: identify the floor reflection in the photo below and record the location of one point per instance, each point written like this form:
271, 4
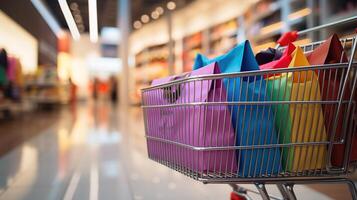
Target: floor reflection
96, 151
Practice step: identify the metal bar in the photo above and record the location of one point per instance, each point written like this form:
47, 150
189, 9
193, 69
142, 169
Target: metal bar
212, 148
290, 191
283, 191
251, 73
244, 103
328, 25
263, 191
344, 88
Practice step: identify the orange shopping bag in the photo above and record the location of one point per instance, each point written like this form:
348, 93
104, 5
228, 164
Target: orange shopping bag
307, 122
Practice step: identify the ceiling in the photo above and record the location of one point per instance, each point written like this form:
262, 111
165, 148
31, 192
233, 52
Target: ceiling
107, 11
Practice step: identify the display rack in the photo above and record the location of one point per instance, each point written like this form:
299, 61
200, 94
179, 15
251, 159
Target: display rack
222, 37
151, 63
44, 87
262, 24
192, 45
276, 17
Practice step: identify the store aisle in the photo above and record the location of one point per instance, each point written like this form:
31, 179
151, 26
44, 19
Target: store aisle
92, 152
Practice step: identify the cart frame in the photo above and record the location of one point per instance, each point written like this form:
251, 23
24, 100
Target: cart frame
343, 105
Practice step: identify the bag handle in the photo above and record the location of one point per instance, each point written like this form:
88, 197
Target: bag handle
286, 38
173, 92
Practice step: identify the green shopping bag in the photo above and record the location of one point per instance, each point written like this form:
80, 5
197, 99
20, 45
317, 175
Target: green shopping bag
279, 89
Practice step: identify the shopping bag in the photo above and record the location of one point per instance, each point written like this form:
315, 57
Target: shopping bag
279, 89
253, 124
196, 125
282, 62
267, 56
307, 120
331, 51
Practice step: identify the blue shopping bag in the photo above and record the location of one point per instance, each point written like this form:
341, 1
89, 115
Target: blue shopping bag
253, 124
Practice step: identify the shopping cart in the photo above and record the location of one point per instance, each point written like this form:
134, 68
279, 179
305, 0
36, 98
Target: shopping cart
317, 126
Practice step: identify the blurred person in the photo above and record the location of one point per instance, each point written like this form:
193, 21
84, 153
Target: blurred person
73, 98
113, 89
73, 91
95, 89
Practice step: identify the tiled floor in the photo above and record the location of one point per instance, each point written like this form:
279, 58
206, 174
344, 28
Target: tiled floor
92, 152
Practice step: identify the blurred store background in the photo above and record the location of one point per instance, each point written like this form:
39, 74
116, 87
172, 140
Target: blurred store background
163, 39
59, 56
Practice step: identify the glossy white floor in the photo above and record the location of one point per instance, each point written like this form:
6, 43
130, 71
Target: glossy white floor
93, 153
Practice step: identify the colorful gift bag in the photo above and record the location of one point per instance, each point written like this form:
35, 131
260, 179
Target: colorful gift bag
192, 125
307, 119
331, 51
279, 89
282, 62
253, 124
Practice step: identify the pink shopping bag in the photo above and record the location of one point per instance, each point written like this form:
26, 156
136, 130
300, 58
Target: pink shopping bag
180, 121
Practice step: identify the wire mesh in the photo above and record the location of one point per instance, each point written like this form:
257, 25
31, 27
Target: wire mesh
255, 125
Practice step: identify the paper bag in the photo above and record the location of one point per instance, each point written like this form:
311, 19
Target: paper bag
307, 119
195, 125
331, 51
253, 124
279, 88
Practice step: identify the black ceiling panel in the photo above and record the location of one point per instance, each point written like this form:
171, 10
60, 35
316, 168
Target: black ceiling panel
107, 10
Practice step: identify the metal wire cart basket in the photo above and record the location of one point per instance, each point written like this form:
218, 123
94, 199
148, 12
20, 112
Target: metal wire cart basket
282, 126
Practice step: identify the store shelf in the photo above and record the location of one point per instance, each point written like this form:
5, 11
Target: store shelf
273, 7
228, 34
41, 85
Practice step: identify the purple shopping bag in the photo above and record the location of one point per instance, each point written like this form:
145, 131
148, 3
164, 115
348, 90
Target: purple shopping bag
179, 123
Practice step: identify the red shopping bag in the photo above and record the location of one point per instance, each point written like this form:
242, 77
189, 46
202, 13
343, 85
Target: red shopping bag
283, 62
331, 51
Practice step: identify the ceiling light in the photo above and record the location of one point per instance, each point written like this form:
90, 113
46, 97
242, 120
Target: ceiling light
110, 35
76, 12
93, 20
171, 5
137, 24
145, 18
78, 18
160, 10
81, 28
69, 19
74, 6
155, 15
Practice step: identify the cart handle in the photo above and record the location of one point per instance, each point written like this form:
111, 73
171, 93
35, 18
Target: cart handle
292, 36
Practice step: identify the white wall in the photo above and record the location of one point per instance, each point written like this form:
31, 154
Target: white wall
18, 42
